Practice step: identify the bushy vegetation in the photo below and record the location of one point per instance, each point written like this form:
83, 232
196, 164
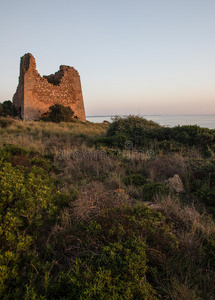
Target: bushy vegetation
142, 133
135, 179
150, 190
30, 201
59, 113
84, 217
7, 109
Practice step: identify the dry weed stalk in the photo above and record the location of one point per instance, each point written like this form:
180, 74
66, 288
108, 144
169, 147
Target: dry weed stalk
95, 199
195, 223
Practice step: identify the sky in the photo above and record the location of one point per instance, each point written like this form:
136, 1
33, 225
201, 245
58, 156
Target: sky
134, 56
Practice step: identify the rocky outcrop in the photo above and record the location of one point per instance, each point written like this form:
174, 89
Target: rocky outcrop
35, 94
175, 184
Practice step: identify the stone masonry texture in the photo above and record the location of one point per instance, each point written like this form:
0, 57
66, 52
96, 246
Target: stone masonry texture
35, 94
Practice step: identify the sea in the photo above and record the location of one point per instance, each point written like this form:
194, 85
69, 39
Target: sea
204, 120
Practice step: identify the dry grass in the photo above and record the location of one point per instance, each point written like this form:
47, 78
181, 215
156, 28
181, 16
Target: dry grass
82, 165
192, 223
163, 167
181, 291
95, 200
191, 228
46, 136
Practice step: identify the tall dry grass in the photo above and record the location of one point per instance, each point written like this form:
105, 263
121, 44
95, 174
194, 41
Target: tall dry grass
95, 199
190, 222
46, 136
163, 167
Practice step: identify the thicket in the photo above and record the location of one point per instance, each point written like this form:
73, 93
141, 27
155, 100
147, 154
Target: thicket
7, 109
30, 203
59, 113
143, 133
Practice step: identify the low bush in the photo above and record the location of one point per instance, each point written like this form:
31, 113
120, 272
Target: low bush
170, 146
19, 156
143, 132
60, 113
128, 125
116, 265
135, 179
162, 167
202, 170
7, 109
95, 199
206, 196
29, 203
150, 190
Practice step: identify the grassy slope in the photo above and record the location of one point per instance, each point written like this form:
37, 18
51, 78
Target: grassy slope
90, 236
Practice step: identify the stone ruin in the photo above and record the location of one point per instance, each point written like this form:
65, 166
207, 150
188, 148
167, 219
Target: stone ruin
35, 94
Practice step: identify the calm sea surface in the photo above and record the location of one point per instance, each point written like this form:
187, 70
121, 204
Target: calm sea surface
207, 121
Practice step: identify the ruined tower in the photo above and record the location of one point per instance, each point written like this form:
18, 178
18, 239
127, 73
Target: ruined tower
35, 94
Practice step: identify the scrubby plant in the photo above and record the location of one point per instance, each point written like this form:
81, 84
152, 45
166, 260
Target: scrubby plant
95, 199
163, 167
202, 181
150, 190
7, 109
116, 266
142, 132
207, 197
135, 179
59, 113
170, 146
132, 128
28, 202
128, 125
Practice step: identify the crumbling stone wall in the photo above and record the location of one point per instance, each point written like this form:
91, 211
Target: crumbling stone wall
35, 94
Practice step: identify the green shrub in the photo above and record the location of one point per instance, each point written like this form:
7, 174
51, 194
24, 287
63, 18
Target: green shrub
209, 249
19, 156
170, 146
7, 109
149, 190
135, 179
202, 171
116, 141
60, 113
12, 150
132, 128
27, 206
116, 266
192, 135
127, 125
206, 194
142, 132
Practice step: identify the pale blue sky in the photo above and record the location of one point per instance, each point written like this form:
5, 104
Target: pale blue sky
138, 57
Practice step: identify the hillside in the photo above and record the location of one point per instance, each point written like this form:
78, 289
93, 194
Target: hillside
98, 211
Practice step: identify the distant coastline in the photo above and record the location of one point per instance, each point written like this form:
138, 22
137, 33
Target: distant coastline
202, 120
